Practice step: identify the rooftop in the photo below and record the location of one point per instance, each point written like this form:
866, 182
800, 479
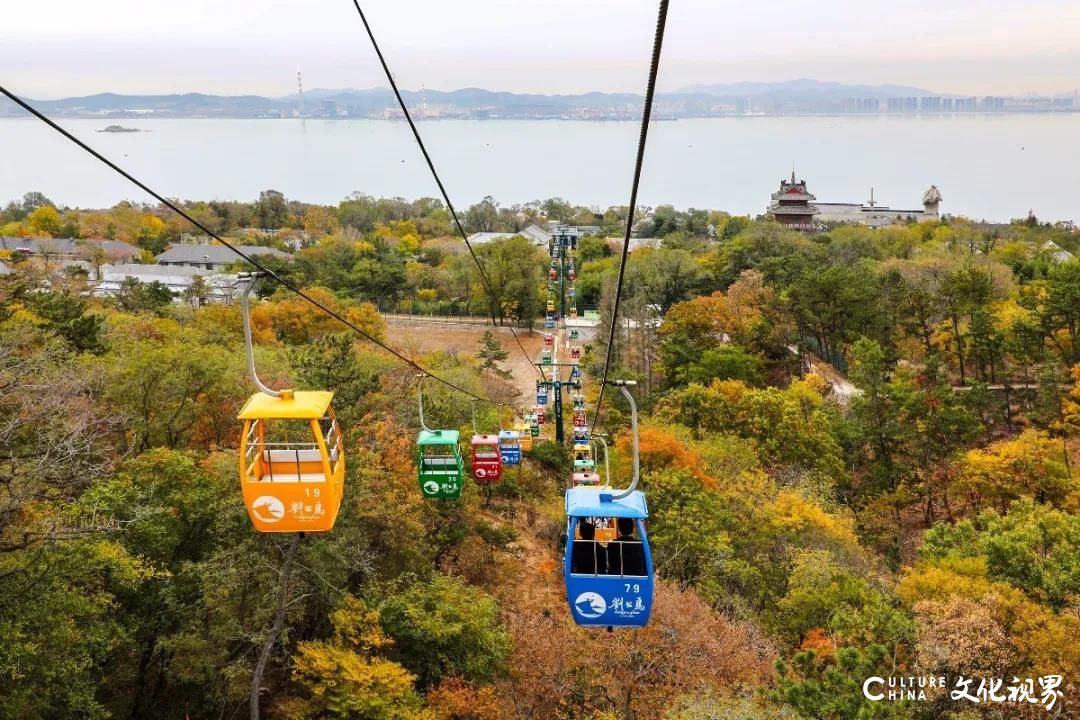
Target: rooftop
67, 246
214, 254
437, 437
303, 405
537, 235
778, 209
153, 272
792, 191
587, 502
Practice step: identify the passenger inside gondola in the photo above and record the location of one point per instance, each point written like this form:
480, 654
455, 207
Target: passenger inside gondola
588, 557
625, 554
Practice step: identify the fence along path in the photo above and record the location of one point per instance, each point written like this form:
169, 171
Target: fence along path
445, 319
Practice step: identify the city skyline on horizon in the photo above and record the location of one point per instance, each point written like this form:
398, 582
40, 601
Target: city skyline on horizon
902, 90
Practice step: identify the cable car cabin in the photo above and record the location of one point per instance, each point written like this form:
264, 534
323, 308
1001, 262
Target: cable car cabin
546, 357
571, 274
572, 291
584, 465
292, 462
524, 431
553, 274
486, 458
551, 306
549, 339
579, 401
542, 398
549, 323
585, 479
575, 353
534, 432
438, 462
575, 373
573, 311
573, 334
583, 459
609, 575
510, 447
541, 416
579, 420
581, 435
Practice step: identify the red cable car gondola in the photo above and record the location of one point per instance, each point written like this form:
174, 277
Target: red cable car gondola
486, 459
486, 455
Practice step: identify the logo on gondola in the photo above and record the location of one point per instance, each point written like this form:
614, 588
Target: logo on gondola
431, 487
268, 508
590, 605
481, 472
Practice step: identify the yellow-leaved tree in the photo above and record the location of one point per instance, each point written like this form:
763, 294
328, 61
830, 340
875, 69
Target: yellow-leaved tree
1029, 465
344, 678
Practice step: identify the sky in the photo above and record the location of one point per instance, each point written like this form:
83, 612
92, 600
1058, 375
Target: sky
59, 48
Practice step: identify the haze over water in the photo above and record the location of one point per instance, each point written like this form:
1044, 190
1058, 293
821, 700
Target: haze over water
994, 167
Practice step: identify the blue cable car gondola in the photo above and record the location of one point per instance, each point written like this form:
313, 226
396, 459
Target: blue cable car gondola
607, 563
608, 583
549, 322
510, 447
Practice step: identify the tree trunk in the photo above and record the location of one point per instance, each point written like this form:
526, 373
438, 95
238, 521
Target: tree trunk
959, 347
276, 628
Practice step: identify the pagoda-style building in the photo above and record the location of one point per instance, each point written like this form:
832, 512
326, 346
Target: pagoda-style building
791, 206
797, 209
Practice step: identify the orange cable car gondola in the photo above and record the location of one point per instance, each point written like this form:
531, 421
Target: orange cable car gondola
292, 458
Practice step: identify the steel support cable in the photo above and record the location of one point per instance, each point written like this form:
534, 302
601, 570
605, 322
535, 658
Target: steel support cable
247, 258
658, 42
438, 181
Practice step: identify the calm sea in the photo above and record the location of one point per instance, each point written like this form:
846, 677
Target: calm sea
993, 167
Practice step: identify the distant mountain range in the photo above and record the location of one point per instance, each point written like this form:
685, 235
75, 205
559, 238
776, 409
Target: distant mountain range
741, 98
360, 101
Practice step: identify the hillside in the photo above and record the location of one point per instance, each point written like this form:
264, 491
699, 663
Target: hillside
908, 509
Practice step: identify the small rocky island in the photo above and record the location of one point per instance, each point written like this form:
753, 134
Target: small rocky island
120, 129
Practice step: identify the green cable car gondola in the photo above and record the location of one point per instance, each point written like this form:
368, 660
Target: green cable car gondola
438, 459
440, 469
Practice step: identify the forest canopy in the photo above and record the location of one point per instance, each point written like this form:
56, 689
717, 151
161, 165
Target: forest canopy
859, 448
